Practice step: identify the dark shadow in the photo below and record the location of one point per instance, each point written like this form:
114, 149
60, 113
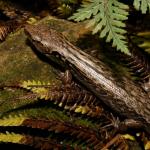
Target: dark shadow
30, 5
13, 146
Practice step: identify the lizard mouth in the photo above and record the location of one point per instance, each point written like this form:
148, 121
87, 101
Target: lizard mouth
28, 30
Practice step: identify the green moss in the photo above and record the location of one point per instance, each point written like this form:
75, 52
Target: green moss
19, 62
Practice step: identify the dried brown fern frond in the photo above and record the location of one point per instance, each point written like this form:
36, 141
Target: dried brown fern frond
10, 25
13, 18
68, 96
139, 62
6, 28
84, 134
119, 142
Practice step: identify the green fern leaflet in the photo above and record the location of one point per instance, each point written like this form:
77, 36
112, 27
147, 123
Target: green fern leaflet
142, 5
107, 17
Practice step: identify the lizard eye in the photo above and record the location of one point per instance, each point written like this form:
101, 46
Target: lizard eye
37, 38
45, 43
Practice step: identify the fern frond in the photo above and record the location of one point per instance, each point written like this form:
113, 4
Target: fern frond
6, 28
12, 120
33, 141
119, 142
31, 85
146, 46
145, 41
37, 87
70, 97
64, 10
143, 5
108, 19
57, 126
10, 137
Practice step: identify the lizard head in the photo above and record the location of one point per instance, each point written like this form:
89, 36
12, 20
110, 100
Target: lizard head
44, 38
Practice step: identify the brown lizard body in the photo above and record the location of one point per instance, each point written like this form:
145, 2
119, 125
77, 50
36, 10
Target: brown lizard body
124, 97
